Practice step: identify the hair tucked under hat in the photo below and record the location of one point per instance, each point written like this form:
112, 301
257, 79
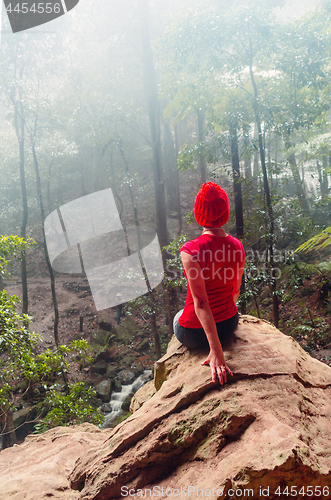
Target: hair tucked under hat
211, 208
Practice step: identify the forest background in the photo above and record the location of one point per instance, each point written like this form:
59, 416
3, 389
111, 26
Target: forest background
151, 99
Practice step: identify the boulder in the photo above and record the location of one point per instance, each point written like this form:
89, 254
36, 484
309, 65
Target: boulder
21, 416
116, 384
111, 371
100, 367
126, 331
38, 468
99, 337
268, 426
104, 390
126, 377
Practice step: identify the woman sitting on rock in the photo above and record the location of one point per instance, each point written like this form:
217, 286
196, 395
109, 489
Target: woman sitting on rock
213, 265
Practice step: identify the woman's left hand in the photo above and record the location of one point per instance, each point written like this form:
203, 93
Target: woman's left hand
218, 366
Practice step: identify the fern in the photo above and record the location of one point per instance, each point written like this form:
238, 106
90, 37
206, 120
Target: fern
318, 241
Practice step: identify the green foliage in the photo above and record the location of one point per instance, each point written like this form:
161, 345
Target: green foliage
175, 277
20, 363
256, 277
13, 333
12, 247
69, 409
317, 242
313, 333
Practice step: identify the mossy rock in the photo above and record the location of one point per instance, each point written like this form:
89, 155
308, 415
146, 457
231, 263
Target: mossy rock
21, 416
126, 331
126, 404
143, 346
138, 370
127, 360
116, 384
104, 390
126, 376
111, 371
100, 337
100, 367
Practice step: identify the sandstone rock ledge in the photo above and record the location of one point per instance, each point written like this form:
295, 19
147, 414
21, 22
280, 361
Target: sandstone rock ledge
269, 426
39, 468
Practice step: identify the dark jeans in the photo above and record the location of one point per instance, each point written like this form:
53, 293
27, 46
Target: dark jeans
195, 338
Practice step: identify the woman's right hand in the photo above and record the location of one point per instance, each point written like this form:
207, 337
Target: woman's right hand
218, 366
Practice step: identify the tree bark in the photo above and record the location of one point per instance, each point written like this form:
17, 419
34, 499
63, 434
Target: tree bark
270, 224
324, 184
201, 138
153, 107
137, 225
236, 179
154, 122
20, 134
297, 180
49, 266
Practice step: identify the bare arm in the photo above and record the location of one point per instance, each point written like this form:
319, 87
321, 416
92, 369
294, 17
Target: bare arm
202, 309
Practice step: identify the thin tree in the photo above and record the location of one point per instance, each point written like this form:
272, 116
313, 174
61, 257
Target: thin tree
19, 124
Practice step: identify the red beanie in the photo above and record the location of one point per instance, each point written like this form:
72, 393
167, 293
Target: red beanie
211, 208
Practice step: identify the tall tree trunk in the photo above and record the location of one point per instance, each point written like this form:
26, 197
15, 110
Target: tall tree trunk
256, 155
154, 122
137, 225
297, 179
238, 203
49, 266
173, 177
270, 224
248, 168
324, 184
153, 107
237, 193
20, 131
201, 138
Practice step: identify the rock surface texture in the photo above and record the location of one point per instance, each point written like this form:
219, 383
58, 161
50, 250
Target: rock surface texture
39, 468
269, 426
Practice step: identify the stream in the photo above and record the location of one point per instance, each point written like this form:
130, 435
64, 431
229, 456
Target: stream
113, 409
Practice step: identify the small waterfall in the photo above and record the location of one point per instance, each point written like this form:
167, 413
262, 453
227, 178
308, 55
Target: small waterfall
113, 409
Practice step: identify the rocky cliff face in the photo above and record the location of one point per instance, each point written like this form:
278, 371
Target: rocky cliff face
268, 428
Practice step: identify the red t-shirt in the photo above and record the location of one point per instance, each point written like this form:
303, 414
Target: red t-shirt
221, 259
